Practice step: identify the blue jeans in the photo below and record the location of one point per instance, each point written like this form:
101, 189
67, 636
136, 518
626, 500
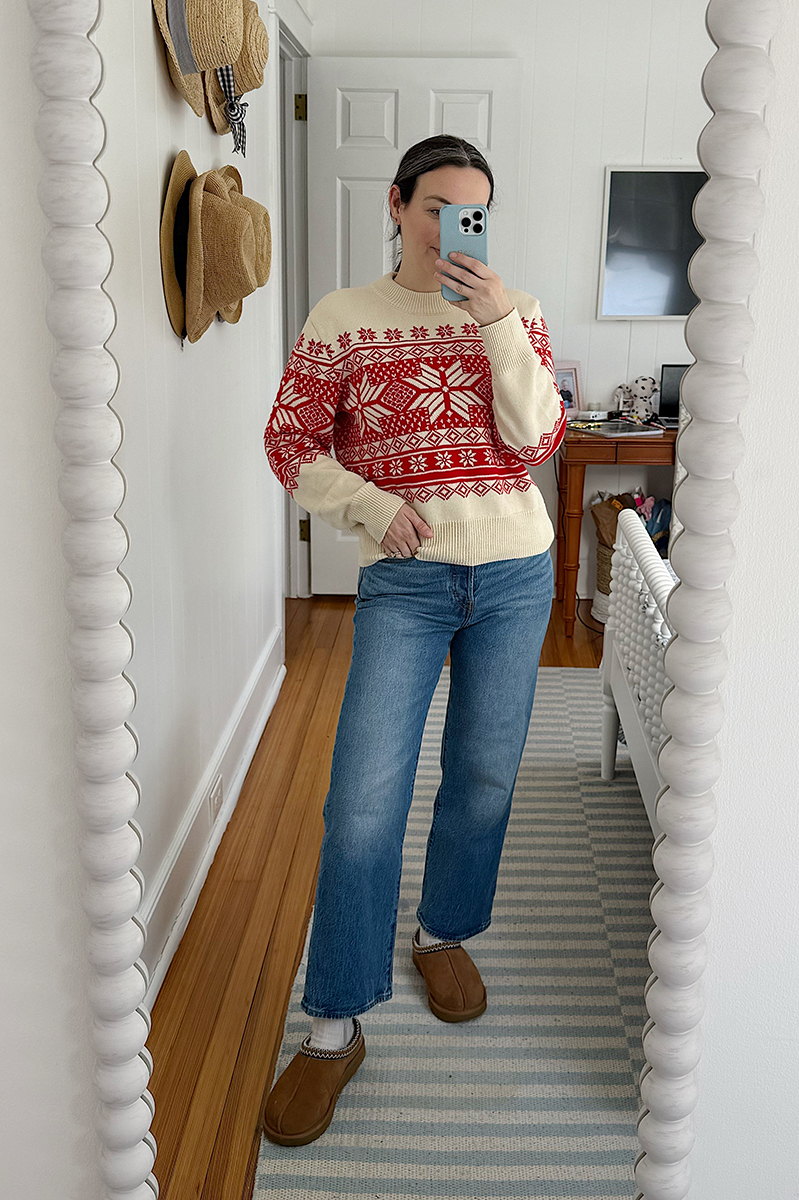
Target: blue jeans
492, 619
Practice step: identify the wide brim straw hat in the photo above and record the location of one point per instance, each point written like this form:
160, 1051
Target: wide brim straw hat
173, 250
190, 86
215, 30
201, 35
248, 69
228, 250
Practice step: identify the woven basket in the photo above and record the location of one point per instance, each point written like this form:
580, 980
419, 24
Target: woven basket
604, 554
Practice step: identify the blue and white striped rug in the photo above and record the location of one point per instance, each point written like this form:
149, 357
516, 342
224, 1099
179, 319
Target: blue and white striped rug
537, 1097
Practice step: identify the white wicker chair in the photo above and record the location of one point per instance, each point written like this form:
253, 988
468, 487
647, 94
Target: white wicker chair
634, 681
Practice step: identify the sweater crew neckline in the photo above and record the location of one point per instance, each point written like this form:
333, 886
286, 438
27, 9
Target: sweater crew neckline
412, 302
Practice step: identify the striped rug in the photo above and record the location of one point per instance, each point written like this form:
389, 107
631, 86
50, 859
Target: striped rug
538, 1096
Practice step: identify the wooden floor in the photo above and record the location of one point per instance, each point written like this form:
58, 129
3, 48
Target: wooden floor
218, 1018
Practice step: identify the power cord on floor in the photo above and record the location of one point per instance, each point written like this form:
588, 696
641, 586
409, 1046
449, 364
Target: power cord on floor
598, 633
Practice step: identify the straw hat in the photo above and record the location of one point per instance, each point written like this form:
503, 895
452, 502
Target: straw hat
248, 69
262, 262
173, 248
216, 31
223, 237
190, 85
201, 34
205, 34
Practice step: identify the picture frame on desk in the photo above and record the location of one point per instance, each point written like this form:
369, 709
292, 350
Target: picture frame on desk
567, 376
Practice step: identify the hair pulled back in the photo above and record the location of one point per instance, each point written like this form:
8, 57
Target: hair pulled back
440, 151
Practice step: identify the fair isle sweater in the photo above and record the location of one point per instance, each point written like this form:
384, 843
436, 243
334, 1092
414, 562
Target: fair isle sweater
421, 405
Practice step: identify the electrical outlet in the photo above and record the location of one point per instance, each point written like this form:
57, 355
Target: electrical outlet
215, 798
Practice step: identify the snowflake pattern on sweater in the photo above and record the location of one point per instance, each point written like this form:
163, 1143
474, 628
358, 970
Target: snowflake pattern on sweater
408, 409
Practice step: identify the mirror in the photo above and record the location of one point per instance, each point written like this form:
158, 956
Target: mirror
73, 196
648, 239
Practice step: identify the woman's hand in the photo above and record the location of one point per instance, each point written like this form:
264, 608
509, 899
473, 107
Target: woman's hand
484, 295
402, 536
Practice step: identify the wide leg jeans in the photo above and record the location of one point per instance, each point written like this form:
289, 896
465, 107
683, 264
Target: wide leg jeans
409, 613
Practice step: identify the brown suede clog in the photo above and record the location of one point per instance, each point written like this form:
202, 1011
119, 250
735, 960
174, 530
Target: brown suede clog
455, 991
301, 1104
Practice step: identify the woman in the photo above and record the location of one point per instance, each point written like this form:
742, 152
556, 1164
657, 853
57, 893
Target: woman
435, 408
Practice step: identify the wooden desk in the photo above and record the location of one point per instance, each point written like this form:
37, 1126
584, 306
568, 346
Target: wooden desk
576, 451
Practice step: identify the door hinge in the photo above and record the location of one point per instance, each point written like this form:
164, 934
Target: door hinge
305, 529
300, 106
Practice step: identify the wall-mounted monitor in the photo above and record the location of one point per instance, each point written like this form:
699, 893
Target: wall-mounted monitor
648, 238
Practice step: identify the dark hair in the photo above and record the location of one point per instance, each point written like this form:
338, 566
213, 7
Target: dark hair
440, 151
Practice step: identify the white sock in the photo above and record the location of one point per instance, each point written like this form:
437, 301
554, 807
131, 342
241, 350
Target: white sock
331, 1033
425, 939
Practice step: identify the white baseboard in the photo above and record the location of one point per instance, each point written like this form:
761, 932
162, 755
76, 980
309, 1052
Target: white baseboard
169, 901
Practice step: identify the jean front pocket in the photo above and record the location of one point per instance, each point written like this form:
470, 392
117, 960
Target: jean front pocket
376, 579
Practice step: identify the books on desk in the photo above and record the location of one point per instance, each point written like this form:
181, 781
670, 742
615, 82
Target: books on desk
615, 429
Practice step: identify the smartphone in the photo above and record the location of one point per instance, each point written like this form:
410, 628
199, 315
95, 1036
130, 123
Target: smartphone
462, 227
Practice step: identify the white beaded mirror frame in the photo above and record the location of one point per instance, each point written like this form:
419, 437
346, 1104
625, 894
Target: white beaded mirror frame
733, 147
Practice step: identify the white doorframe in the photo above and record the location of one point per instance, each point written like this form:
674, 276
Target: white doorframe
294, 284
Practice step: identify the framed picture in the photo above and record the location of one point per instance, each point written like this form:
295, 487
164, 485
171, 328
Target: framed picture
567, 375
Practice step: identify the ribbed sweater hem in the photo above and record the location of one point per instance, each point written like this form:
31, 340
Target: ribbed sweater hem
478, 540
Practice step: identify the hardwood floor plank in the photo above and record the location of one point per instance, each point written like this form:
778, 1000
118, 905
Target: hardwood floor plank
282, 723
184, 1017
248, 1188
297, 614
282, 754
213, 1081
262, 1037
195, 956
337, 609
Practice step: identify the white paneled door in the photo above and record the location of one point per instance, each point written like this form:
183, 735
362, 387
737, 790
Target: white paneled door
363, 114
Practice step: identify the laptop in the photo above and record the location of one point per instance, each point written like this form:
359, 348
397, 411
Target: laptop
669, 410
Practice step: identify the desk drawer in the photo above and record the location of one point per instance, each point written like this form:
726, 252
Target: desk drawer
588, 449
646, 450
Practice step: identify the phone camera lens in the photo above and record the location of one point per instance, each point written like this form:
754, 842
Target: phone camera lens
478, 216
478, 229
466, 222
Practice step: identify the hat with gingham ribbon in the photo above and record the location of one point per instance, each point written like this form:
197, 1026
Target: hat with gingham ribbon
245, 75
205, 41
201, 34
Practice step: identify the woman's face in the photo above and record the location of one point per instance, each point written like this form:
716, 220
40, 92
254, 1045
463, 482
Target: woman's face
419, 217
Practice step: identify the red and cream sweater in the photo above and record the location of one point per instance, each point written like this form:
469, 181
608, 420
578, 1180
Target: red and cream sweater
421, 405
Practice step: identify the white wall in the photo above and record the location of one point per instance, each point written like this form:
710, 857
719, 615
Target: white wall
748, 1115
605, 82
204, 512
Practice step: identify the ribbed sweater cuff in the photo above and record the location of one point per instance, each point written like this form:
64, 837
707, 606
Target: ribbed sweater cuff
506, 342
375, 509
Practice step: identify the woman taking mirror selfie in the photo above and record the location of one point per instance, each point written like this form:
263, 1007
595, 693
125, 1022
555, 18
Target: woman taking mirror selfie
435, 409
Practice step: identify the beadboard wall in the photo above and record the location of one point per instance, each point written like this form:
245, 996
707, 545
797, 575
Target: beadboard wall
204, 513
605, 82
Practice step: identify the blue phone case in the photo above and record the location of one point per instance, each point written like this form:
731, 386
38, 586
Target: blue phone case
456, 225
